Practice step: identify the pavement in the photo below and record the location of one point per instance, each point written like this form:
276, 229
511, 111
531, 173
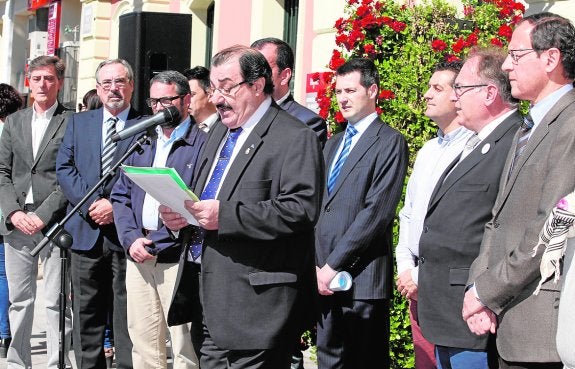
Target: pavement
38, 340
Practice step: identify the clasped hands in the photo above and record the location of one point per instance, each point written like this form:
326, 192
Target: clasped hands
479, 318
27, 223
406, 286
206, 213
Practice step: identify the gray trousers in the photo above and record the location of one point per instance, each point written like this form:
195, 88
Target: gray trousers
22, 271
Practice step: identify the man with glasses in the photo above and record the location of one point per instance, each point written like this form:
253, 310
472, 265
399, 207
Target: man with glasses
538, 172
98, 266
201, 108
260, 184
153, 266
460, 206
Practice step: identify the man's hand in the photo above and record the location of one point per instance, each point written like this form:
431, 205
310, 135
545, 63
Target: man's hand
174, 221
206, 213
324, 276
39, 224
482, 322
24, 222
138, 250
406, 286
471, 304
101, 212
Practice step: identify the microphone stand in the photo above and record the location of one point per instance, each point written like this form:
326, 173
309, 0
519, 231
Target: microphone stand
58, 235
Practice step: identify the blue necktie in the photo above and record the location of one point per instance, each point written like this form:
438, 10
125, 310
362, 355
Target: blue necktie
212, 187
332, 178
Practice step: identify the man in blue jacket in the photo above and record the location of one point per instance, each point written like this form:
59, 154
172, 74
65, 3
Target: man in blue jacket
153, 255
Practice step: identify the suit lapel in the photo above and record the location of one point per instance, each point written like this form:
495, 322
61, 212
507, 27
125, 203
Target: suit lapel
246, 153
27, 134
475, 157
123, 145
367, 139
534, 141
53, 126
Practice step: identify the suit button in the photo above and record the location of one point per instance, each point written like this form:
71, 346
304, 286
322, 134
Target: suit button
24, 194
496, 224
425, 229
327, 209
421, 260
33, 171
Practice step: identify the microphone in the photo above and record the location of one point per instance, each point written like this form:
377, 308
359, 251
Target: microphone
169, 114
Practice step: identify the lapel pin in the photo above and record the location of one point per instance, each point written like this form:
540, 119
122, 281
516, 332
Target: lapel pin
249, 149
189, 165
485, 148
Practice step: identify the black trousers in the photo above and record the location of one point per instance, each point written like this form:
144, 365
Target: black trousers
96, 275
352, 334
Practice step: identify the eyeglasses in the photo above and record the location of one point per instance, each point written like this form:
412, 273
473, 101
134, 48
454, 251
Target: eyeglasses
515, 57
224, 91
164, 101
458, 88
118, 82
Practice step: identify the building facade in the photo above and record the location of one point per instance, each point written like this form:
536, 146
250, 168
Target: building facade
85, 32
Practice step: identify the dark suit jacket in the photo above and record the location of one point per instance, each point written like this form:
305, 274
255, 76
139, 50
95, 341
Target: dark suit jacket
354, 231
458, 210
79, 167
308, 117
128, 199
258, 275
18, 169
505, 272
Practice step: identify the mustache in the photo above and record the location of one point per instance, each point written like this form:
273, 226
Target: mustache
115, 94
223, 106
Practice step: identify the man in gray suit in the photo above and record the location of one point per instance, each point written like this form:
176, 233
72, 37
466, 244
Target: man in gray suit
461, 205
365, 169
537, 173
281, 59
31, 202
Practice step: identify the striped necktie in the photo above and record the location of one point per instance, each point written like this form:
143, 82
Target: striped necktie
522, 140
109, 145
211, 188
332, 178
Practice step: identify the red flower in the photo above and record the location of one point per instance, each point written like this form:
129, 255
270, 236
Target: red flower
336, 60
472, 39
496, 42
341, 39
398, 26
468, 10
386, 20
505, 12
369, 48
362, 11
505, 31
519, 6
339, 24
458, 46
379, 40
378, 110
438, 45
450, 58
516, 19
386, 95
354, 37
339, 117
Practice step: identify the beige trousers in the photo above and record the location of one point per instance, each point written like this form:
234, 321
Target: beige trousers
150, 286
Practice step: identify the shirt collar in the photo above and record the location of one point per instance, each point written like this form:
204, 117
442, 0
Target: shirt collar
48, 114
280, 101
177, 133
446, 138
209, 121
122, 116
257, 115
490, 127
539, 110
363, 123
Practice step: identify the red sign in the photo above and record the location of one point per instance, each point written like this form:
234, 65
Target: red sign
36, 4
53, 28
316, 81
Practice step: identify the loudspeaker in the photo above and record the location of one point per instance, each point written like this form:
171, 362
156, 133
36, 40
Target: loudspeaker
151, 43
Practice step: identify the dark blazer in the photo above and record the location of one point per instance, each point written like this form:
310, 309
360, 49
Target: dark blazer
18, 169
128, 199
308, 117
452, 231
505, 272
354, 231
79, 167
258, 274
